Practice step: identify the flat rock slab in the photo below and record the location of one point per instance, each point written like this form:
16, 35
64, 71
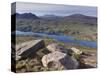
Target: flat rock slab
29, 48
89, 61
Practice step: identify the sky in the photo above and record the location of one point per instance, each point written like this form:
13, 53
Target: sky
53, 9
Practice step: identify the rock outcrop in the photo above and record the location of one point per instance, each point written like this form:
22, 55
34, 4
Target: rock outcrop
60, 56
54, 56
28, 48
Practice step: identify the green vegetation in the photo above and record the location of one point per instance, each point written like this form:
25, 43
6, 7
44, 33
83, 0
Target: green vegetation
20, 39
82, 27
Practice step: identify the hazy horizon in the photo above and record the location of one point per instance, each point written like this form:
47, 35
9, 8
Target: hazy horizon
40, 9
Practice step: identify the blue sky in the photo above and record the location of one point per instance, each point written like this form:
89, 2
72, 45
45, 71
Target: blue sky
52, 9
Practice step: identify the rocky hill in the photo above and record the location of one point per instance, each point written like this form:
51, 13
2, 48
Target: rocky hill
25, 16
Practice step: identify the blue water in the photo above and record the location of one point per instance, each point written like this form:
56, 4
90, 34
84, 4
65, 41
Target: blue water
62, 38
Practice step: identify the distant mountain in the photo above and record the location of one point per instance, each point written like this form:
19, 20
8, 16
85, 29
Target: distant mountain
81, 18
73, 24
25, 16
50, 17
74, 18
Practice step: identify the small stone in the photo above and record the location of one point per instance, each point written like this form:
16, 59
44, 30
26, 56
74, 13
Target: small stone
76, 51
53, 47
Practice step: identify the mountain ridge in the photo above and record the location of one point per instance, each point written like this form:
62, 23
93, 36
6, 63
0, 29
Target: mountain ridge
25, 16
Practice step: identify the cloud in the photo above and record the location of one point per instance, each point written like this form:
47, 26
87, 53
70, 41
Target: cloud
62, 10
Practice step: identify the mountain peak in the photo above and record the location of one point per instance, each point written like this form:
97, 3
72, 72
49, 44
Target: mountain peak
25, 16
78, 16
